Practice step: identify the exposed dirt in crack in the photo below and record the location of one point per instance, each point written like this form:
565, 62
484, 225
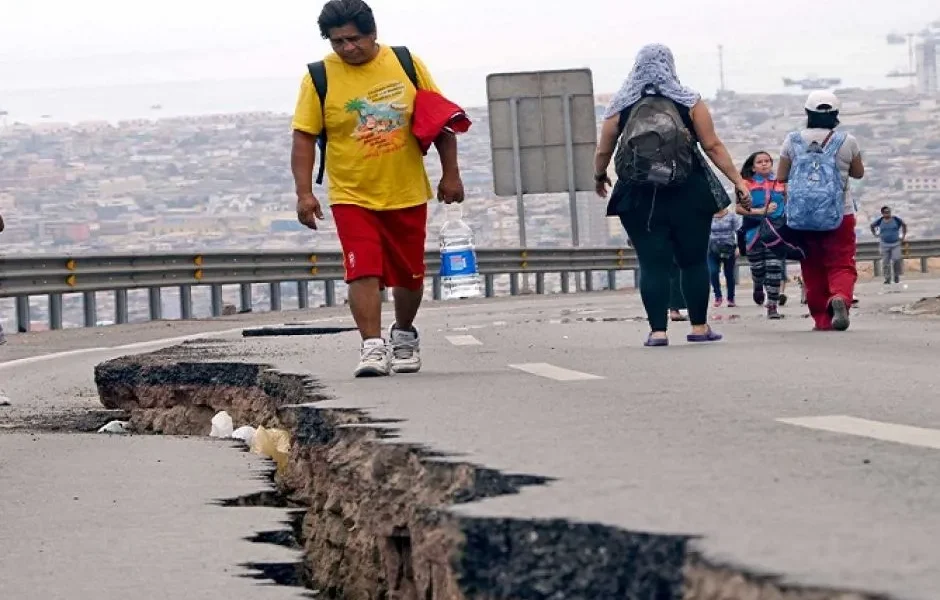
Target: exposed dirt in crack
372, 516
31, 419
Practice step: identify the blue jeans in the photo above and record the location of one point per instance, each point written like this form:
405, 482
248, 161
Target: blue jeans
715, 265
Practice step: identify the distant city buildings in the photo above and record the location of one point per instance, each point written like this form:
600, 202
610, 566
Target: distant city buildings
223, 182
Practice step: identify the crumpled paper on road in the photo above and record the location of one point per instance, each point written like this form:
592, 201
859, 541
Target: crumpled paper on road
274, 443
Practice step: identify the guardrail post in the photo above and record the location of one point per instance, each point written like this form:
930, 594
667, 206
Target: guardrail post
22, 314
55, 311
90, 304
120, 307
489, 285
513, 284
303, 295
329, 292
156, 304
612, 280
876, 266
245, 293
186, 302
275, 296
565, 283
540, 283
215, 293
589, 281
924, 265
436, 291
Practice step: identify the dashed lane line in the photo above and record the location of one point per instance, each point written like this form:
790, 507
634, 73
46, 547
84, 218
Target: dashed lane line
552, 372
877, 430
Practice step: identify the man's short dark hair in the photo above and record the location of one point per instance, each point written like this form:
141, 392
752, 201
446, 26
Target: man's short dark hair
337, 13
885, 209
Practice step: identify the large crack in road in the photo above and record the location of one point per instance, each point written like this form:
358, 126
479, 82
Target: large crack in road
372, 516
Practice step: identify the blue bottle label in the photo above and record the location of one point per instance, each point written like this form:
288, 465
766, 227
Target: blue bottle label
457, 263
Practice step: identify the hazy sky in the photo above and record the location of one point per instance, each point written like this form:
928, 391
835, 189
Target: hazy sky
62, 43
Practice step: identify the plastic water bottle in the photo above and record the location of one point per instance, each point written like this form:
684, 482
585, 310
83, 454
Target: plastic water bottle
459, 275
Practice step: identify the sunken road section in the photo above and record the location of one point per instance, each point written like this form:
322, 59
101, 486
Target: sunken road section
371, 516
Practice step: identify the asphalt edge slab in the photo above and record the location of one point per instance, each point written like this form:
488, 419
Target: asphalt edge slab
371, 515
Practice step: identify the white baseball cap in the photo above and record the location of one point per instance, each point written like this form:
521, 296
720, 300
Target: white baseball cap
820, 98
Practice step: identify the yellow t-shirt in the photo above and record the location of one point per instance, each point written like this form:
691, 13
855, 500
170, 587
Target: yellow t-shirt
372, 160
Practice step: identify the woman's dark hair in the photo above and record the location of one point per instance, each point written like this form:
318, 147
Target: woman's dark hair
822, 120
747, 170
337, 13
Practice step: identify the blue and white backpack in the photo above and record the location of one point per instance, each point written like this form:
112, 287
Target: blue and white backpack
816, 193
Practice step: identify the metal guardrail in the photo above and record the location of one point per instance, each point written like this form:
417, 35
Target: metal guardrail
54, 276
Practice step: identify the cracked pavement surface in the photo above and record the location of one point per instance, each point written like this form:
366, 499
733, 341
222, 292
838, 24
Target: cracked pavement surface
679, 440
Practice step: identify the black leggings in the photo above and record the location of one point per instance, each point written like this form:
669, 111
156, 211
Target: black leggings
665, 233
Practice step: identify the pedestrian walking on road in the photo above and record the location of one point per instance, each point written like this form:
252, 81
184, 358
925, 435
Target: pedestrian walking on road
378, 186
722, 254
892, 231
817, 164
666, 193
764, 229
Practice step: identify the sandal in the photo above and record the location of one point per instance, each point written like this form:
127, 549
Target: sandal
711, 336
652, 342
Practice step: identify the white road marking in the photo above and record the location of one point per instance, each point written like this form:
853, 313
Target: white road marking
886, 432
464, 340
135, 346
552, 372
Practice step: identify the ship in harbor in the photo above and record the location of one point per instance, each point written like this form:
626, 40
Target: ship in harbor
813, 83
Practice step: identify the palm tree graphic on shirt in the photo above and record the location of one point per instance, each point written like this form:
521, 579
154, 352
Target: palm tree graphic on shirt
378, 123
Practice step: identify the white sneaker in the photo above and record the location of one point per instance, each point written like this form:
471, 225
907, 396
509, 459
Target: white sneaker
406, 350
375, 359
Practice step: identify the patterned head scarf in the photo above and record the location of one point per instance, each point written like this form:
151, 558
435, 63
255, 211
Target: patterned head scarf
654, 65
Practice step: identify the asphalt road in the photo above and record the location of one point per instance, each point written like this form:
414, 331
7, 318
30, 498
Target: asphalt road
688, 439
112, 517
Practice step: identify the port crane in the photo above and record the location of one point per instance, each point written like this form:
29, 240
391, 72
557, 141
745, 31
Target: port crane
929, 40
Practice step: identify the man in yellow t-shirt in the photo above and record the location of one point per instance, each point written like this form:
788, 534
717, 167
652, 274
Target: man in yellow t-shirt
378, 187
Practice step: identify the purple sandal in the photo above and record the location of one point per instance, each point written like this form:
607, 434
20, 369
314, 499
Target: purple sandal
652, 342
711, 336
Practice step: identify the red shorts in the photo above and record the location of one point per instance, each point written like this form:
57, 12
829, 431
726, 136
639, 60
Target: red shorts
388, 244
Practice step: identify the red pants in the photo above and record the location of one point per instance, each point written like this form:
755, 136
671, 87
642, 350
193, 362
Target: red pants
829, 269
388, 244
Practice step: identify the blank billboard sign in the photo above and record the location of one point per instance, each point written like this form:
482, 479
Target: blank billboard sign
540, 98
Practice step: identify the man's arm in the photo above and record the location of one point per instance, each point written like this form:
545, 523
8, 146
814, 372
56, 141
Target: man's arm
303, 156
307, 124
903, 230
856, 167
874, 227
450, 188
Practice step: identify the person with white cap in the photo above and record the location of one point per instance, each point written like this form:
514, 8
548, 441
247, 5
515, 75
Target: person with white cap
817, 164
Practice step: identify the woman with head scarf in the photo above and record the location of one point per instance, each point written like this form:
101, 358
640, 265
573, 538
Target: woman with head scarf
667, 208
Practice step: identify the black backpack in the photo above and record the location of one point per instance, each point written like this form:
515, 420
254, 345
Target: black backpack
655, 145
317, 72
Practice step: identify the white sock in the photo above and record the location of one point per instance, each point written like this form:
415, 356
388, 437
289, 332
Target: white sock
373, 343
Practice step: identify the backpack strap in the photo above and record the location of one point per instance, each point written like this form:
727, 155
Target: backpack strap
317, 72
834, 142
403, 54
797, 143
